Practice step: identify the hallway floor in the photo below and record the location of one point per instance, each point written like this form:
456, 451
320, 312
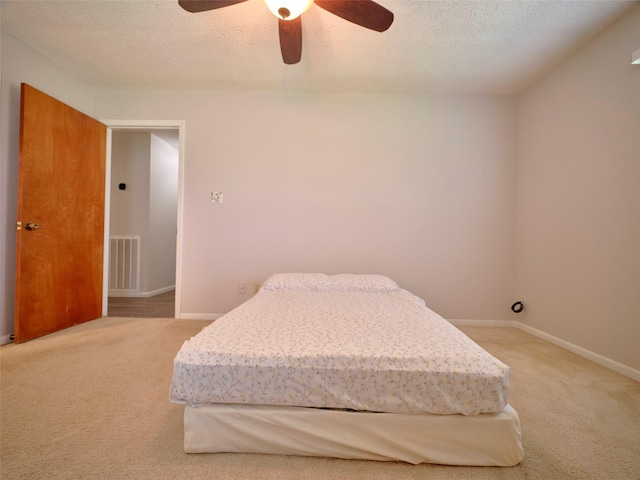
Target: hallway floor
159, 306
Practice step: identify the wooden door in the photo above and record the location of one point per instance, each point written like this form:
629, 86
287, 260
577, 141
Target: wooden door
60, 236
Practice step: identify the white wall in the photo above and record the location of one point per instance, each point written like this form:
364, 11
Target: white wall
578, 228
22, 64
163, 214
420, 188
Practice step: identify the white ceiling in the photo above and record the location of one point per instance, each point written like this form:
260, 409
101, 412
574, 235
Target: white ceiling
469, 46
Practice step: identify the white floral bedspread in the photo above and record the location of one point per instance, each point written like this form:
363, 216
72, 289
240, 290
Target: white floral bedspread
382, 351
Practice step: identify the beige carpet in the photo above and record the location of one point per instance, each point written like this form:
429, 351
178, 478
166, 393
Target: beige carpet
92, 402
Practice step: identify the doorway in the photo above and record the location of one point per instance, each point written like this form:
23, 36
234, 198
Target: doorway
135, 282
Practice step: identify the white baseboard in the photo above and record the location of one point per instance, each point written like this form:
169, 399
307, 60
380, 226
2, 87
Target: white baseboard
482, 323
583, 352
153, 293
6, 339
200, 316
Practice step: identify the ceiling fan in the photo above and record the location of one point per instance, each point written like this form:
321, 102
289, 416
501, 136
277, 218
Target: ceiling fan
365, 13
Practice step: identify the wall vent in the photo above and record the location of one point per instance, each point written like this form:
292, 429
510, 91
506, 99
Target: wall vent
124, 264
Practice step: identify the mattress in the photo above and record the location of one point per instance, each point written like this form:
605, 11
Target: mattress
340, 342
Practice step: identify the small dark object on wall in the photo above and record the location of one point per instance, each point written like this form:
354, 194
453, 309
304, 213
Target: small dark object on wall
122, 186
517, 307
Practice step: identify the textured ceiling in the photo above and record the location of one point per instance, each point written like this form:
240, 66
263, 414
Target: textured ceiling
482, 46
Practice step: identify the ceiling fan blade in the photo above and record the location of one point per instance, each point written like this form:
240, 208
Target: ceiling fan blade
195, 6
365, 13
291, 40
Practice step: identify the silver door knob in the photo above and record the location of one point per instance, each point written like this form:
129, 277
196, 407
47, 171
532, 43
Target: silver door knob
32, 226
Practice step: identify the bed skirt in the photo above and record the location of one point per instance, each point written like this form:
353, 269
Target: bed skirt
482, 440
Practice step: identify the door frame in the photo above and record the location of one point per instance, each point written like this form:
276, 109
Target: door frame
133, 125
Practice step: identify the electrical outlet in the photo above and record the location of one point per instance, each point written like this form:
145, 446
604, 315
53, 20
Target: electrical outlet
242, 288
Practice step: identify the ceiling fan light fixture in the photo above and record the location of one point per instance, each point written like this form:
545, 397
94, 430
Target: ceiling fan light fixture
288, 9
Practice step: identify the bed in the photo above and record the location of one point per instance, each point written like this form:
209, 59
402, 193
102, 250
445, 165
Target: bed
345, 366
